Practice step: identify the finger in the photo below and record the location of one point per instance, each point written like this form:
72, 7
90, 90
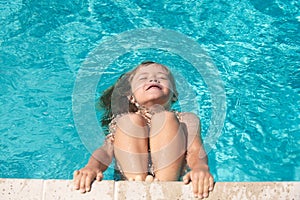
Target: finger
200, 183
82, 183
194, 180
186, 178
88, 182
205, 187
211, 183
149, 178
130, 179
76, 178
75, 173
99, 176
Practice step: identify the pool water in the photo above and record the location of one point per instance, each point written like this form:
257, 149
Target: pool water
253, 44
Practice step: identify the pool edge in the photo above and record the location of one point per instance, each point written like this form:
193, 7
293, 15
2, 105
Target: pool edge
40, 189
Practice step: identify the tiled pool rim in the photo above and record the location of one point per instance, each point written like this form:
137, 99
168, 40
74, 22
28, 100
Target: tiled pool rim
39, 189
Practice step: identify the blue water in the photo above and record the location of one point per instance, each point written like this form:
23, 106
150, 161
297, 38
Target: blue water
253, 44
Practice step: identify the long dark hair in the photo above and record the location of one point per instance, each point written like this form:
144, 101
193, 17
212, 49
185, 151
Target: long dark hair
116, 99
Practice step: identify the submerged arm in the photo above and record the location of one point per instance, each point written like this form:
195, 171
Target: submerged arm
196, 155
200, 176
102, 157
98, 163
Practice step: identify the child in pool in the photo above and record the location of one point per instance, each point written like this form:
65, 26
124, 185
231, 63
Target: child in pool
147, 139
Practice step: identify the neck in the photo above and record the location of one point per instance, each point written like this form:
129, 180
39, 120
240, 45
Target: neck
148, 112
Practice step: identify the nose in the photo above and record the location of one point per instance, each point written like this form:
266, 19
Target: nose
154, 80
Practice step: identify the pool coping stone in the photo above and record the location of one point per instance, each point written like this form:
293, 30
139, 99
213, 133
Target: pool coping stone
54, 189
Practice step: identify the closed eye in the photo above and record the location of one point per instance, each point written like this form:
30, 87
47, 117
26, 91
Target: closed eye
163, 77
142, 78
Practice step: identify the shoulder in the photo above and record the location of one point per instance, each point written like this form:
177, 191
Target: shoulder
188, 116
191, 124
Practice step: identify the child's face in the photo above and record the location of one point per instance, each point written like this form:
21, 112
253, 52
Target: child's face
151, 85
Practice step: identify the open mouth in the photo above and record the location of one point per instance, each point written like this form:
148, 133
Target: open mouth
154, 86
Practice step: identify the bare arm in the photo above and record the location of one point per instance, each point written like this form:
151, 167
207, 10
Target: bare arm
200, 176
98, 163
196, 155
102, 157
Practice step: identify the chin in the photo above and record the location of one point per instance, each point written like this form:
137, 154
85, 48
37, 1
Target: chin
152, 102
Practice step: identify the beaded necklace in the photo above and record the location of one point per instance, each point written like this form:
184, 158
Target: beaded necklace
146, 113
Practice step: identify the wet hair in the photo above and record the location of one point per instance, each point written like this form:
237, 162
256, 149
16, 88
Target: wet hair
115, 99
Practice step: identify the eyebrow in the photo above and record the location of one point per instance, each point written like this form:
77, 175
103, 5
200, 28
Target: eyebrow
146, 73
163, 73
